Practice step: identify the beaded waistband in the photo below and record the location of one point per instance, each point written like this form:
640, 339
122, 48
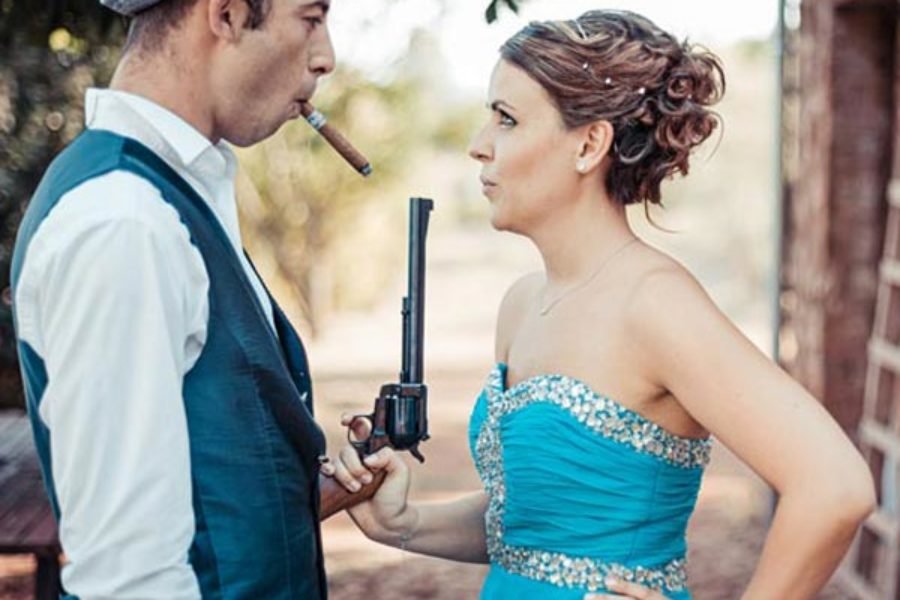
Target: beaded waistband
579, 572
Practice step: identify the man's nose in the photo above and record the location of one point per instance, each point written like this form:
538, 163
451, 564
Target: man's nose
321, 54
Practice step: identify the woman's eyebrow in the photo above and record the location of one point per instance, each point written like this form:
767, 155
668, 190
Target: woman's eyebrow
498, 104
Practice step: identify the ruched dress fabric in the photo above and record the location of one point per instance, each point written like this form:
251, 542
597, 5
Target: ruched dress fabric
580, 487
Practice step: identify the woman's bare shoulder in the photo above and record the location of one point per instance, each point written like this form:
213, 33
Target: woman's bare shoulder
513, 308
662, 278
666, 298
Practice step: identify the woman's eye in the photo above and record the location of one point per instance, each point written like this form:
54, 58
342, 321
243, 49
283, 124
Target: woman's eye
506, 120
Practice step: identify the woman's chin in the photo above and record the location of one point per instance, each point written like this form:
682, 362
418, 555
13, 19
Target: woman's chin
500, 224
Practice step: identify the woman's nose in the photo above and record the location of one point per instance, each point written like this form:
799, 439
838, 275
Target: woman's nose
479, 147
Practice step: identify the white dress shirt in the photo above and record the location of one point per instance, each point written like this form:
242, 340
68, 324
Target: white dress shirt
113, 297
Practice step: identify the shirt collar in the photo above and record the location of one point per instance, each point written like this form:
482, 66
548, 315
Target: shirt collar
164, 132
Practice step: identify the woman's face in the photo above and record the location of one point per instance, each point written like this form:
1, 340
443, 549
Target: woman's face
528, 157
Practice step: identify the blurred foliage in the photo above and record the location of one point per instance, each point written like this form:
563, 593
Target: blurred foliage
50, 52
490, 13
324, 236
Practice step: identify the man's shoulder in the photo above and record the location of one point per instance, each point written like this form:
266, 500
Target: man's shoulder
117, 195
116, 199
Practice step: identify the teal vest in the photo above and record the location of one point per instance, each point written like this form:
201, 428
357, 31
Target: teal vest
248, 400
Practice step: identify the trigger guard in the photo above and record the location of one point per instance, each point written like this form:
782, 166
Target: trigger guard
363, 443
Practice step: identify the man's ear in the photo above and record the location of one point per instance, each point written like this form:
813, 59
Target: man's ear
227, 18
596, 142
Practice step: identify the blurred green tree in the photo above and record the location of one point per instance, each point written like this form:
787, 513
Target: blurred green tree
324, 236
490, 13
50, 52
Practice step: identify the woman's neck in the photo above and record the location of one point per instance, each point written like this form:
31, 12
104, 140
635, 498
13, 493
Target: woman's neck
578, 239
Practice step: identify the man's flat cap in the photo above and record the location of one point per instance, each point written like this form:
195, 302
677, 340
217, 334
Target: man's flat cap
128, 7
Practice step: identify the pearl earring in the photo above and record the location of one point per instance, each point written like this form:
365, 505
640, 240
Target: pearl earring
581, 166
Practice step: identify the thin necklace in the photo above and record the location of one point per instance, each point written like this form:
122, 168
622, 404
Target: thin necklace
544, 310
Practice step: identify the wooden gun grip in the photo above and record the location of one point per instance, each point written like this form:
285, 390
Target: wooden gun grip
333, 497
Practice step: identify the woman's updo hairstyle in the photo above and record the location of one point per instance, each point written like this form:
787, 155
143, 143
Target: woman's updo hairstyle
620, 67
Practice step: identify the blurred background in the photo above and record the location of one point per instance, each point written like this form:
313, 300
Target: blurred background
782, 219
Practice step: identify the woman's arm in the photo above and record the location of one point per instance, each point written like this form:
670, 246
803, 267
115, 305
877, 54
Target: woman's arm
766, 418
453, 530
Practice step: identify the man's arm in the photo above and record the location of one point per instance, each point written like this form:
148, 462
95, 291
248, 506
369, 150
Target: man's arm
118, 314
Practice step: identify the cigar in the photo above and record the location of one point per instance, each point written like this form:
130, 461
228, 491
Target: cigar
337, 141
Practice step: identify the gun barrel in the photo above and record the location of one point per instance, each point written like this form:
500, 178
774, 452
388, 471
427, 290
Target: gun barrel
414, 303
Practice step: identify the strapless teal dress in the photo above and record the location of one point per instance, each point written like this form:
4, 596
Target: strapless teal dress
580, 487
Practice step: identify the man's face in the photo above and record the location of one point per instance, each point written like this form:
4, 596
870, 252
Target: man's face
263, 76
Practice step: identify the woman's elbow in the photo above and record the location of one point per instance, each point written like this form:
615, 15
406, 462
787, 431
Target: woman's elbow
865, 498
852, 494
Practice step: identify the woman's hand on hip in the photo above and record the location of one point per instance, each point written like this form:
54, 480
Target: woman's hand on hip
624, 590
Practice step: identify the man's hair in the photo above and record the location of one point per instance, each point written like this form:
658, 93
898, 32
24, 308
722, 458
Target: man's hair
150, 27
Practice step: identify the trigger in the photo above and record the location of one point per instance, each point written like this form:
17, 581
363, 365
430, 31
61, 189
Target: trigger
415, 452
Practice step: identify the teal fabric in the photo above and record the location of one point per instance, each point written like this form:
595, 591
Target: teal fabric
573, 475
248, 400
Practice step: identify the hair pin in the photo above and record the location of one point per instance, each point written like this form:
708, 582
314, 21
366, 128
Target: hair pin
608, 81
642, 90
585, 66
580, 29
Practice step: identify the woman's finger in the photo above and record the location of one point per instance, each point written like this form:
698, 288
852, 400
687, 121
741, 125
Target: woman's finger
386, 459
326, 467
632, 590
343, 476
360, 428
349, 458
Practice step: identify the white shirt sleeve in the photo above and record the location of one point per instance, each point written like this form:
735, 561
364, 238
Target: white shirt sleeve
113, 297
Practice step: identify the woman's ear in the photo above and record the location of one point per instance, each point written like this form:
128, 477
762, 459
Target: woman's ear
595, 144
227, 18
